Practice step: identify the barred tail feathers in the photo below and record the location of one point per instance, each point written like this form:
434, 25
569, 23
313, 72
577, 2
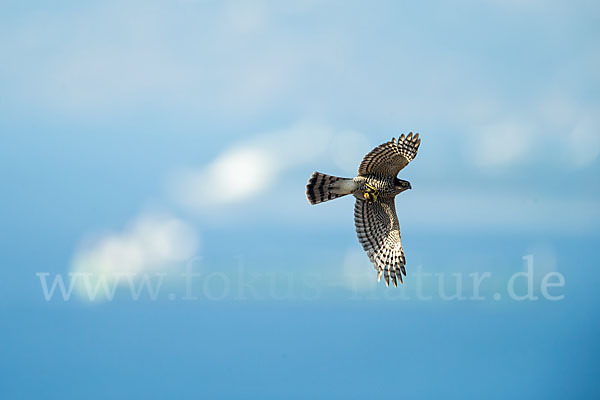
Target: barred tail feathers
322, 187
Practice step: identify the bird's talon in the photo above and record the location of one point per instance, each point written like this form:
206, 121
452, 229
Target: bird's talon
371, 193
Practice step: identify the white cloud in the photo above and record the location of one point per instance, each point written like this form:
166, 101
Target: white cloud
255, 170
246, 170
156, 242
233, 177
502, 144
238, 59
555, 132
151, 242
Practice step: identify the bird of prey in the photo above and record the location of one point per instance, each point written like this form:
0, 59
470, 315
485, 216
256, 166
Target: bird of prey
375, 189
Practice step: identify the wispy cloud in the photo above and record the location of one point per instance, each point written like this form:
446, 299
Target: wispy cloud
502, 143
246, 170
237, 59
259, 175
230, 59
100, 59
568, 132
149, 243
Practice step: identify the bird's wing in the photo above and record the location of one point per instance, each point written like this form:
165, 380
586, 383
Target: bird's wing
378, 232
389, 158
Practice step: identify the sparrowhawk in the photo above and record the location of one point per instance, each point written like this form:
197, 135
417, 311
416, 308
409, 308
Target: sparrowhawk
375, 189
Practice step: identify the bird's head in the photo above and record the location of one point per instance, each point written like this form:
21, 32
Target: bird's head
401, 185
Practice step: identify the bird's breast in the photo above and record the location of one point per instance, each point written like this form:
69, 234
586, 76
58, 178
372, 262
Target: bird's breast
384, 185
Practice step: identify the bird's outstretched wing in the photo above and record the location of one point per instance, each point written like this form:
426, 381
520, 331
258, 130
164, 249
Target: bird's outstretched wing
389, 158
379, 233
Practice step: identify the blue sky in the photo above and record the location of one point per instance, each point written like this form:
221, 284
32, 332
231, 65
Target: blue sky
154, 138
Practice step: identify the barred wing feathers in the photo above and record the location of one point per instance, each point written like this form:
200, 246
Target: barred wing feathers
378, 232
389, 158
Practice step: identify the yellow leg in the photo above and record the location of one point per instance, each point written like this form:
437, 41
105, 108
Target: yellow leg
371, 193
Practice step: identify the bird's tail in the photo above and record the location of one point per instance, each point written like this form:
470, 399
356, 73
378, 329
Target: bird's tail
322, 187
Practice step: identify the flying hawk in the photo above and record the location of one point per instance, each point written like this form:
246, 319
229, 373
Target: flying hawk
375, 188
